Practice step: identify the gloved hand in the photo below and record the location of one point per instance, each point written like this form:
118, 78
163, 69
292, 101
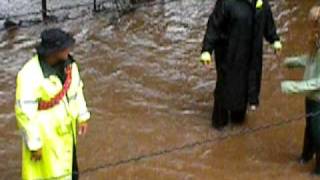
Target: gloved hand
314, 13
206, 58
277, 45
287, 87
259, 4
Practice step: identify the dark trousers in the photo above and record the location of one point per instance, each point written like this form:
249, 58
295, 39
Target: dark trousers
254, 84
75, 170
311, 145
221, 116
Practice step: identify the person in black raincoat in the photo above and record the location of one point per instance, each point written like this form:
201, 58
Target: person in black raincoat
235, 32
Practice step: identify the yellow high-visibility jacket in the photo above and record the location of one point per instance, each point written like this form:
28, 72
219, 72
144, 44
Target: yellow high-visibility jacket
52, 130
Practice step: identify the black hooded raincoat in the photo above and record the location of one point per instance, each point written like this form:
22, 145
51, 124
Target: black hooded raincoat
235, 32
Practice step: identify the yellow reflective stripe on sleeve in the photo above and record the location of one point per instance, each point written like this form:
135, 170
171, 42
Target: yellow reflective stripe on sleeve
28, 107
73, 97
21, 103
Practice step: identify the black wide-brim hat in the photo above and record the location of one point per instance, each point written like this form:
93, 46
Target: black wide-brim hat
54, 40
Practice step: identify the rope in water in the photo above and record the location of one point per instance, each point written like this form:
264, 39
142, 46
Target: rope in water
223, 137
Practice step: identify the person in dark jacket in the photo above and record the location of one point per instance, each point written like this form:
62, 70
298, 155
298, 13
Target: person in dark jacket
235, 32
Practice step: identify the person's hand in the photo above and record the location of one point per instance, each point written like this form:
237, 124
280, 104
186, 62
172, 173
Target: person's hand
259, 4
277, 46
314, 13
36, 155
286, 87
206, 59
83, 128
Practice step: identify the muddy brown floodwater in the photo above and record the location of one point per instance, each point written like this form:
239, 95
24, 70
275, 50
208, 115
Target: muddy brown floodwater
151, 101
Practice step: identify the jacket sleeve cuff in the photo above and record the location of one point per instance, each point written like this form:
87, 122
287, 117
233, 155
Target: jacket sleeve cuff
34, 144
83, 117
299, 61
32, 138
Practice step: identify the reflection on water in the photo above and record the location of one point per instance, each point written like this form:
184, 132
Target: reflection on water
148, 93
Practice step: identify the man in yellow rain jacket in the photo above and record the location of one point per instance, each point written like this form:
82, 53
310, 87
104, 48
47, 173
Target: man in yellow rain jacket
50, 109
